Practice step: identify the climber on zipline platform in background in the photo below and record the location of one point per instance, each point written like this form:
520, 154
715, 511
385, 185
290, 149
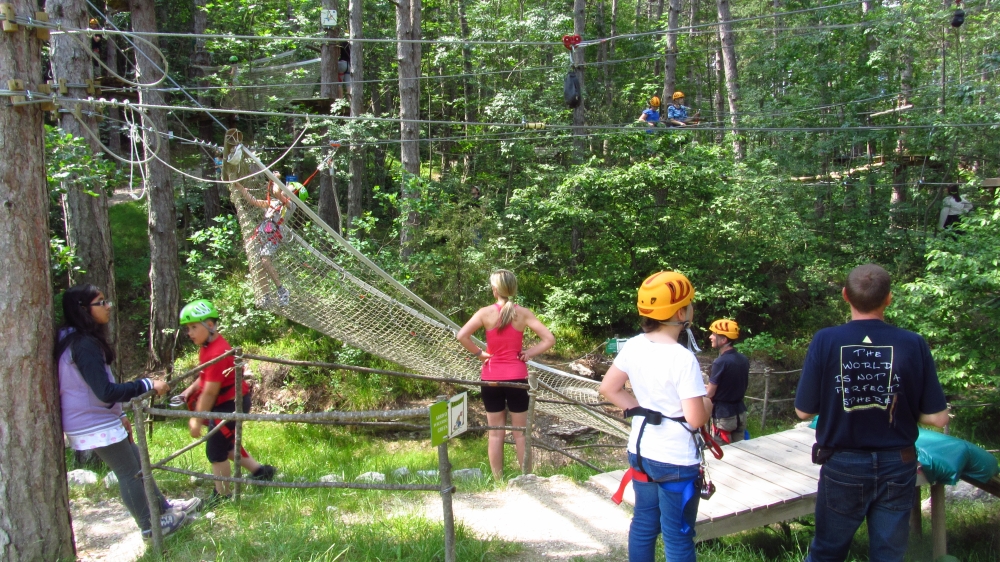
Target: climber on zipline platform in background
651, 114
677, 112
270, 232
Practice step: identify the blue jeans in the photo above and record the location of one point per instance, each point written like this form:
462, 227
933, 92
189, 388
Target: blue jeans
658, 509
877, 487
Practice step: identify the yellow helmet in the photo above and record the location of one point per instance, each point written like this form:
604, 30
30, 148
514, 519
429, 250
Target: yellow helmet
678, 95
654, 101
662, 294
724, 327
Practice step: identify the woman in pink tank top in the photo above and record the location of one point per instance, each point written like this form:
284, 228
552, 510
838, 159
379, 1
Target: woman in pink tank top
505, 360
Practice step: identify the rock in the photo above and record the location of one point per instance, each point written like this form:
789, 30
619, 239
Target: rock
371, 477
560, 478
466, 474
111, 480
81, 477
963, 491
432, 474
401, 472
569, 430
525, 480
331, 508
583, 370
331, 478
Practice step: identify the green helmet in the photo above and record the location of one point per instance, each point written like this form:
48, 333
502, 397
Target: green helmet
299, 190
198, 311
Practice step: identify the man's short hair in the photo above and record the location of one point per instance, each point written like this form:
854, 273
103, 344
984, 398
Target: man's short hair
867, 287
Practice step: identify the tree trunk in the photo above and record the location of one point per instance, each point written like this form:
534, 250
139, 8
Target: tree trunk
88, 230
163, 263
355, 188
201, 58
34, 499
114, 114
670, 63
717, 102
608, 84
408, 55
729, 64
330, 89
579, 114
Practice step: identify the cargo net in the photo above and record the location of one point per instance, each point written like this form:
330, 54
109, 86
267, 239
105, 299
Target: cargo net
302, 270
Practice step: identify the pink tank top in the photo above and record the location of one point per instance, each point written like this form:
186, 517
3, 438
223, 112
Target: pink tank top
504, 345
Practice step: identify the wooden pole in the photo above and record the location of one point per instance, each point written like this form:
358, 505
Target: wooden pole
916, 518
767, 389
447, 489
529, 426
148, 484
939, 534
238, 432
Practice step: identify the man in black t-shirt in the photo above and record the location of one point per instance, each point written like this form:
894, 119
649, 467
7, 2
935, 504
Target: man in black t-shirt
870, 383
728, 383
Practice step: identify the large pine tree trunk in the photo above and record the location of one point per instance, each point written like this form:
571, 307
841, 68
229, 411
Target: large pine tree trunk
608, 85
34, 500
200, 59
355, 188
670, 63
579, 113
408, 55
88, 230
330, 88
163, 266
729, 63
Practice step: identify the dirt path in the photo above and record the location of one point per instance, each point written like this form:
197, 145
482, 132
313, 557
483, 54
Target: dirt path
105, 532
555, 518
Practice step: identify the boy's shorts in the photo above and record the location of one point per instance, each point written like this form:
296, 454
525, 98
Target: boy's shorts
221, 443
500, 398
269, 241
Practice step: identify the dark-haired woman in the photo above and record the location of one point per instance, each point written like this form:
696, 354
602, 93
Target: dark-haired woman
953, 206
505, 360
91, 404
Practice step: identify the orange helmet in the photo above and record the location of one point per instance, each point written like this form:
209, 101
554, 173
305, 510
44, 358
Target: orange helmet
678, 95
654, 101
724, 327
662, 294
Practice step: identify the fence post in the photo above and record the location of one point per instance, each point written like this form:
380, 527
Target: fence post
447, 489
148, 484
529, 426
767, 389
238, 432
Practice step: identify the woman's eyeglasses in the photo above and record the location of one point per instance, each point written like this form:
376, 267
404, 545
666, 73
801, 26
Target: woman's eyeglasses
102, 302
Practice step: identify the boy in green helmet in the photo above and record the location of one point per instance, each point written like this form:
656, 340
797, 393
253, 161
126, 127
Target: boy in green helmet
215, 391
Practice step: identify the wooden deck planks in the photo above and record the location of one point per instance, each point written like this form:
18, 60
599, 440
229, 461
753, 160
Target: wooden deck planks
779, 454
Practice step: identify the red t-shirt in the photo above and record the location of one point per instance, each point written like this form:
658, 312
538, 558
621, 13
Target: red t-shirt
222, 372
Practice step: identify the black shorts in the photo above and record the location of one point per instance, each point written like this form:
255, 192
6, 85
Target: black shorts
221, 443
500, 398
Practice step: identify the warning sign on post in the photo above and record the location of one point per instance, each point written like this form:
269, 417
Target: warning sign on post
449, 418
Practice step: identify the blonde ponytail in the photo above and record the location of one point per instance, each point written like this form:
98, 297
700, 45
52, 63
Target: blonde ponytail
505, 283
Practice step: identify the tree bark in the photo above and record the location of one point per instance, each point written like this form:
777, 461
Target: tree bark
608, 84
330, 89
355, 189
34, 499
670, 62
579, 112
114, 114
201, 58
729, 64
408, 54
88, 230
163, 262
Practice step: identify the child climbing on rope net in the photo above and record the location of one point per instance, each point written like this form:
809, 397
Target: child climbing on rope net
270, 232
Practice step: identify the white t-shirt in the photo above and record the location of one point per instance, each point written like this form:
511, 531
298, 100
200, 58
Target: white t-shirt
662, 375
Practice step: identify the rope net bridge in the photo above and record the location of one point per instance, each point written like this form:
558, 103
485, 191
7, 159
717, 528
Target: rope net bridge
301, 269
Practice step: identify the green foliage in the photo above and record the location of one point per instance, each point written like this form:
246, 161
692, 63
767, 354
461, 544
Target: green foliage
69, 159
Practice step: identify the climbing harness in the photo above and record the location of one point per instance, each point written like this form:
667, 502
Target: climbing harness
702, 484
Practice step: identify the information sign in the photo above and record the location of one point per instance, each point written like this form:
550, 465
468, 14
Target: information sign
449, 418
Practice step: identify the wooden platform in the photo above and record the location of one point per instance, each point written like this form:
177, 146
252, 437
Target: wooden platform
759, 482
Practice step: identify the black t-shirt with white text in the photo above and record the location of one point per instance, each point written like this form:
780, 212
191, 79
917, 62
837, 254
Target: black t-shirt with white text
731, 372
869, 382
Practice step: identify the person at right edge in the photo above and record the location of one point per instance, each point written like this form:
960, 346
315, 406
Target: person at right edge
871, 384
728, 382
667, 405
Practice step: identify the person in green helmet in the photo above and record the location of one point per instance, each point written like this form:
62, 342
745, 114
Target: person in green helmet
270, 232
215, 391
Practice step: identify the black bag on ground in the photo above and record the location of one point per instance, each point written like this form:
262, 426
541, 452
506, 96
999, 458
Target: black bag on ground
571, 89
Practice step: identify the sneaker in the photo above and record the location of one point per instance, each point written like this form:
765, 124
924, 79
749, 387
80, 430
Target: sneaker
263, 302
265, 473
283, 295
188, 506
170, 521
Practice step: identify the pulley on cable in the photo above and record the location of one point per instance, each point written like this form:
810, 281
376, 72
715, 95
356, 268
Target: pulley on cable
959, 17
571, 84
